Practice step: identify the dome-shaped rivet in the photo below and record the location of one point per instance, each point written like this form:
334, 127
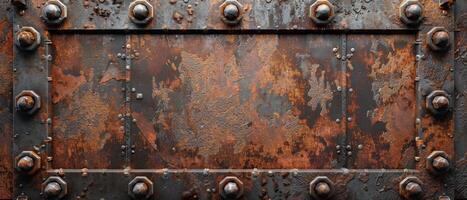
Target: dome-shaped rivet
231, 12
27, 38
52, 12
27, 162
321, 188
52, 189
231, 189
322, 12
411, 188
411, 12
141, 187
28, 102
140, 12
438, 163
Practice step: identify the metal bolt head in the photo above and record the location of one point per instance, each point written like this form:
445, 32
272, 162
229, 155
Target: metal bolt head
322, 12
231, 12
140, 12
28, 38
411, 188
27, 101
411, 12
141, 187
438, 39
231, 188
440, 102
437, 102
321, 188
441, 38
28, 162
52, 189
52, 12
438, 162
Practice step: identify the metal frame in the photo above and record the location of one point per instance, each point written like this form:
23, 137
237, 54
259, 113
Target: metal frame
32, 132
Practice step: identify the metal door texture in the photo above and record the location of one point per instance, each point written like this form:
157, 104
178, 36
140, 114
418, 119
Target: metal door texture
233, 99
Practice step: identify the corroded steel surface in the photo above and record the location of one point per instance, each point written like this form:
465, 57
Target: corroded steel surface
187, 98
6, 83
254, 101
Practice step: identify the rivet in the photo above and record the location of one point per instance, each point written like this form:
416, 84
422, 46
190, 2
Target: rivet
52, 189
25, 163
52, 12
231, 189
323, 12
140, 11
231, 12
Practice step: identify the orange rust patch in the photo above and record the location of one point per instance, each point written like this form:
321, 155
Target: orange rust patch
64, 85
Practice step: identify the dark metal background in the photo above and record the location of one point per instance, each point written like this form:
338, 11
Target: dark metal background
193, 115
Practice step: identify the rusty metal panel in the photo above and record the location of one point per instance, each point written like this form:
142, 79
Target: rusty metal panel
382, 101
236, 101
86, 100
247, 99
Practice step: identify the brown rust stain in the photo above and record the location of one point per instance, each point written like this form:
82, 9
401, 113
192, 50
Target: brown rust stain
83, 132
112, 72
391, 74
147, 129
214, 106
64, 85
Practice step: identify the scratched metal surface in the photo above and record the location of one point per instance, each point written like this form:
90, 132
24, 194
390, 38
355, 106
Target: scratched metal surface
276, 93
